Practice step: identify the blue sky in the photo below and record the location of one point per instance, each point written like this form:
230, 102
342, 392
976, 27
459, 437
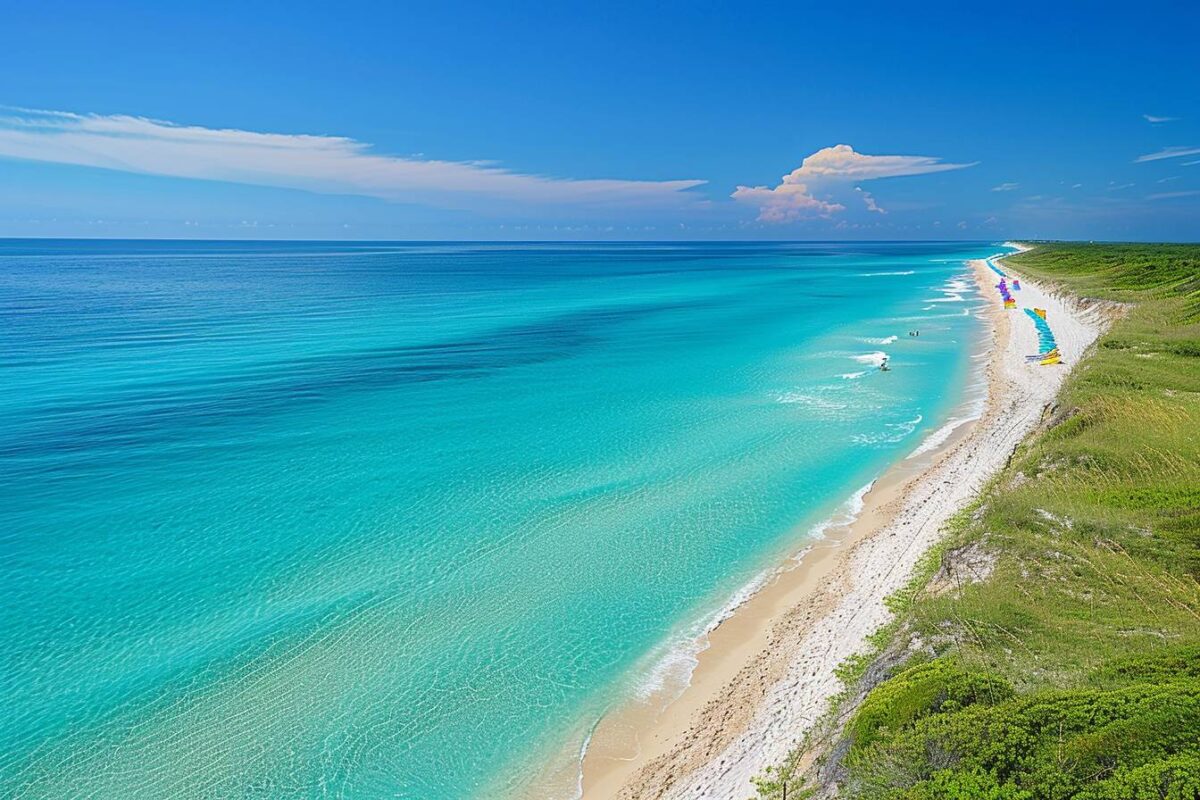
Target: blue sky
616, 121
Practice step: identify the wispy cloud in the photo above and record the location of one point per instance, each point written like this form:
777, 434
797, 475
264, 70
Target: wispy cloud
830, 167
1006, 187
1153, 120
325, 164
1168, 152
869, 200
1172, 195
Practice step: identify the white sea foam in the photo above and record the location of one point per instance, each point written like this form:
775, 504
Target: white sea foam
882, 274
583, 748
966, 312
677, 659
893, 432
875, 359
940, 436
952, 291
810, 400
850, 376
879, 339
973, 409
845, 514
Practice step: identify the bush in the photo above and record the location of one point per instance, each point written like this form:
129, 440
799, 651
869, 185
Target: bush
935, 687
1052, 745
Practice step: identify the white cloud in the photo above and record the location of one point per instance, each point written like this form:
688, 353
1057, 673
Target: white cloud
1168, 152
324, 164
869, 200
794, 197
1153, 120
786, 202
843, 163
1172, 195
1006, 187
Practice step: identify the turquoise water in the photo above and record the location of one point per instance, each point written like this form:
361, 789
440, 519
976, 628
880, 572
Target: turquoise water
375, 520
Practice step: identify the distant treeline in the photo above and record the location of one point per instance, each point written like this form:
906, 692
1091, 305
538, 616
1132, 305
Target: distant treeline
1072, 670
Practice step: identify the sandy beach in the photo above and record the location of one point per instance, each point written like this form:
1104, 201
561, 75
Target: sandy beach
768, 671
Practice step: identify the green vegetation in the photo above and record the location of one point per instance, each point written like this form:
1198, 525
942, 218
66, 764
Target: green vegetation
1125, 272
1073, 670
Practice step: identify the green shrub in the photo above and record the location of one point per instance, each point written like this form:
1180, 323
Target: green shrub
1173, 778
1050, 745
934, 687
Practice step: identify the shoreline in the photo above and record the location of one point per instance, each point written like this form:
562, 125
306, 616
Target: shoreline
766, 672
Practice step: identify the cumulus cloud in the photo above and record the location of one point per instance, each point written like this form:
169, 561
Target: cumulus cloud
843, 163
324, 164
1153, 120
1006, 187
1168, 152
787, 201
795, 196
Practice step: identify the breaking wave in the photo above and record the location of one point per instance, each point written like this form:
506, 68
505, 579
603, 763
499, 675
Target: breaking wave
875, 359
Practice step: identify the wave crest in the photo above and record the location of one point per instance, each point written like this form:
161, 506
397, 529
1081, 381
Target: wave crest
875, 359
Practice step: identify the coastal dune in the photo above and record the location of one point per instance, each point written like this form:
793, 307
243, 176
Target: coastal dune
769, 671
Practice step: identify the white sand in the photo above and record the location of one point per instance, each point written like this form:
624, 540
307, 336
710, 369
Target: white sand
711, 761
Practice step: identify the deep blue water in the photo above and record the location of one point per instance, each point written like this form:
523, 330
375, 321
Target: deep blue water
367, 520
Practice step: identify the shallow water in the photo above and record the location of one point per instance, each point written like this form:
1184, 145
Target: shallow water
389, 520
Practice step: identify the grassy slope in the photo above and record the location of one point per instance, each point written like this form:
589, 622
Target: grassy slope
1074, 669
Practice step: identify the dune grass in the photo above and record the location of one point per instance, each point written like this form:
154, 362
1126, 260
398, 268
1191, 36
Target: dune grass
1073, 669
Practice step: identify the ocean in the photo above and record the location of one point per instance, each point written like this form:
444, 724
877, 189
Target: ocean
376, 520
